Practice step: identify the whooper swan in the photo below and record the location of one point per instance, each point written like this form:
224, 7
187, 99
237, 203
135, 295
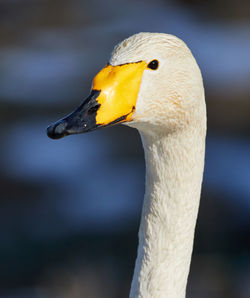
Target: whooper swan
153, 83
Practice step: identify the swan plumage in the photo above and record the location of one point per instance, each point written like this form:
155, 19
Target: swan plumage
166, 104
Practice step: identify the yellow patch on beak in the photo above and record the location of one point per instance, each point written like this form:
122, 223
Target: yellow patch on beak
119, 86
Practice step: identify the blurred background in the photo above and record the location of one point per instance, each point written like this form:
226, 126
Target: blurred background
70, 209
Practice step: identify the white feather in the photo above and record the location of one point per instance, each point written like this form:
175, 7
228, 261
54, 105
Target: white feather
170, 115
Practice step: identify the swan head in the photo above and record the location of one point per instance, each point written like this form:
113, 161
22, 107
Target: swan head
152, 82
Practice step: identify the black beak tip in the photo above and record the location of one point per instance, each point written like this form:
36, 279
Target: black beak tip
57, 130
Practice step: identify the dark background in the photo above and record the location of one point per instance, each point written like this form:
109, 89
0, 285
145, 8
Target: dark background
70, 209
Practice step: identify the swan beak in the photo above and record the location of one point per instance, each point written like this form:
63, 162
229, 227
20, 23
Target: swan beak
112, 100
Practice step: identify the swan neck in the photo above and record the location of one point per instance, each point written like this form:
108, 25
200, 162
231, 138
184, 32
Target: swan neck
174, 169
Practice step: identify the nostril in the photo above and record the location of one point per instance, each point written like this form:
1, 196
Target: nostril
94, 109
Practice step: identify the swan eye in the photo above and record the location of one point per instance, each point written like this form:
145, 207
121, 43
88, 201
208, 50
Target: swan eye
153, 64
